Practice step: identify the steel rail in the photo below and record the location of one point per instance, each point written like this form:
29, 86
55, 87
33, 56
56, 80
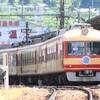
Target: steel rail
90, 95
53, 95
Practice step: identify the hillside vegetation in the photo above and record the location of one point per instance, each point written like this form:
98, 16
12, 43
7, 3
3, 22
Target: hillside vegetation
11, 7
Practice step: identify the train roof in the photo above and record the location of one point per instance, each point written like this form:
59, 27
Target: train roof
77, 34
82, 24
85, 34
9, 49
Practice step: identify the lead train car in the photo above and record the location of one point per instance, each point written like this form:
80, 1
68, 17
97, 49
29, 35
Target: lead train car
70, 57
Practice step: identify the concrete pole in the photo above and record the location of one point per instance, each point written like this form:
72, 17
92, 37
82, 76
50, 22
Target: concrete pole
5, 64
6, 78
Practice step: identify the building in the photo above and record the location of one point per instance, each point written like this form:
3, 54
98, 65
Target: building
95, 22
11, 31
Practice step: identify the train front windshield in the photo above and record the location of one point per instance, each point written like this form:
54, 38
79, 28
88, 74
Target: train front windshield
93, 48
82, 48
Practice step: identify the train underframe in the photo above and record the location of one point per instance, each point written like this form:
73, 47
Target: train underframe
51, 79
65, 78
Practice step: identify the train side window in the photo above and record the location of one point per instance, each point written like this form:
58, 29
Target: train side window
23, 59
12, 60
48, 52
40, 56
29, 57
30, 61
43, 58
37, 56
59, 50
53, 52
19, 59
1, 62
43, 54
26, 57
33, 57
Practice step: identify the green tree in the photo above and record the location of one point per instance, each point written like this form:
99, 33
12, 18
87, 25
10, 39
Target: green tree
5, 1
36, 1
16, 2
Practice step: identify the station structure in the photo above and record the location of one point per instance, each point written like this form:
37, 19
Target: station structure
95, 22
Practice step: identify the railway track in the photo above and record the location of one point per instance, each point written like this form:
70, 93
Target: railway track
62, 91
95, 92
84, 94
89, 92
53, 95
59, 93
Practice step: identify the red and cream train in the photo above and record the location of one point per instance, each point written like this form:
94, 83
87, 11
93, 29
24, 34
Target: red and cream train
73, 56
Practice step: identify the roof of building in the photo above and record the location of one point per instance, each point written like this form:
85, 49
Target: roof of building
95, 22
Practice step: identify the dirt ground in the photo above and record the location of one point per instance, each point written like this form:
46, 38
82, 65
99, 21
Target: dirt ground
24, 93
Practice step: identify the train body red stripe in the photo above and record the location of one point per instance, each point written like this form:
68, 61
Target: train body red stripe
82, 67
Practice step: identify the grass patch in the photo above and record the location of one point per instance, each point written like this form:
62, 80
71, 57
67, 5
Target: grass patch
12, 93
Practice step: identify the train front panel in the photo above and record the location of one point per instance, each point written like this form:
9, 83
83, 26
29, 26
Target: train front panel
82, 60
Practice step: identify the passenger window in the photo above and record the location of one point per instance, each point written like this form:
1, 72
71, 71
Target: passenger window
12, 60
59, 50
1, 60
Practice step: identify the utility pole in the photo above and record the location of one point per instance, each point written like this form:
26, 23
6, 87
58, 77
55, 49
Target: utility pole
78, 16
89, 13
27, 31
61, 14
92, 3
22, 3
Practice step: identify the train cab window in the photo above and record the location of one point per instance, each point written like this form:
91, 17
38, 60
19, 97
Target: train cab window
76, 48
93, 48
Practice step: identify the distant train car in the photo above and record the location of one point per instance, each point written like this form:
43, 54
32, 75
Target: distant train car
70, 57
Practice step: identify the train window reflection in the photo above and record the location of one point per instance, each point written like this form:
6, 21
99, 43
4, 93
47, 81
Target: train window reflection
76, 48
93, 48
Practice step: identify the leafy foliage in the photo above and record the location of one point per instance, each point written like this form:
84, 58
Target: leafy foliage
53, 8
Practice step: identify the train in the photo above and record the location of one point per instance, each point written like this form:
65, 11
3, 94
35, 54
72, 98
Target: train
73, 56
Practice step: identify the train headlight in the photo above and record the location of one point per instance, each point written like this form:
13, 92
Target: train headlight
85, 31
70, 66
